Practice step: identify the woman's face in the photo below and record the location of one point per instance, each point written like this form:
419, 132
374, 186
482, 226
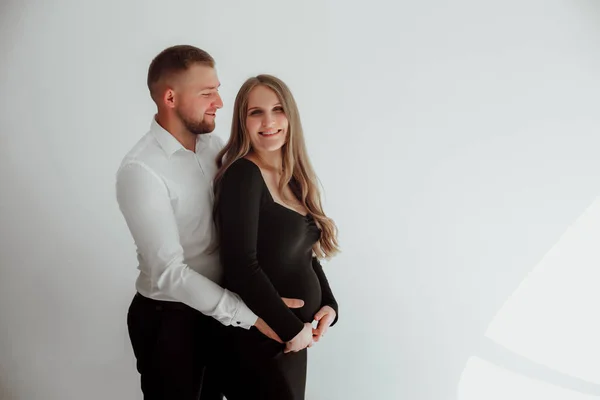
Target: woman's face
266, 121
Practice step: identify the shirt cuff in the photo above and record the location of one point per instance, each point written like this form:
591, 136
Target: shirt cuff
244, 317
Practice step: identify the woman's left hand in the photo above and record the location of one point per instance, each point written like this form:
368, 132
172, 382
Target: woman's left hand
324, 318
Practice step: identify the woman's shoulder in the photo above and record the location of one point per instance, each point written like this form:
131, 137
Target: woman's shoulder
243, 169
244, 165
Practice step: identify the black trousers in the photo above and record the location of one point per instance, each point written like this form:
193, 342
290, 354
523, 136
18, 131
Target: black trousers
172, 344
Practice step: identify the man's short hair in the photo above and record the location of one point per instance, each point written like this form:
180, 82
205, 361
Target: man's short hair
174, 60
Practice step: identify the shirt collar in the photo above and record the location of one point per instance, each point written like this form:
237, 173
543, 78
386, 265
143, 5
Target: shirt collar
168, 143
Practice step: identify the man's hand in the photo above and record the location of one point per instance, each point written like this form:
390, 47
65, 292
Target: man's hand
325, 318
301, 341
266, 330
293, 303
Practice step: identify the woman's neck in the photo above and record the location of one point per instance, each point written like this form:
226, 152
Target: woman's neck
271, 160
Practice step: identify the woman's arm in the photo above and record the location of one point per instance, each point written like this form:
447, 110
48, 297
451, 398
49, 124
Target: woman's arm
327, 296
240, 194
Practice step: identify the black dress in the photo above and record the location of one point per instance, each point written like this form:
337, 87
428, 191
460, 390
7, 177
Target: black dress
266, 252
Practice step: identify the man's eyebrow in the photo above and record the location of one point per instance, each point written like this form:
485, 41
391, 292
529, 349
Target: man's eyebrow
211, 87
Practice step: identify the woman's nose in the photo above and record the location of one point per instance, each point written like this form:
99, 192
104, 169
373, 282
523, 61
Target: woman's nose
268, 120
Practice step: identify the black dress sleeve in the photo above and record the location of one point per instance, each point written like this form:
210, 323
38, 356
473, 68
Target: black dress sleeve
240, 197
327, 295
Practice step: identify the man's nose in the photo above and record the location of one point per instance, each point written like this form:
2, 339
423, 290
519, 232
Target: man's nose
218, 101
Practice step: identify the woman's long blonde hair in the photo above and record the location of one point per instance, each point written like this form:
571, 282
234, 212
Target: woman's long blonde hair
297, 169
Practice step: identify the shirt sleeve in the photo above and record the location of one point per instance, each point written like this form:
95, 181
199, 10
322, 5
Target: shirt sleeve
239, 197
143, 199
326, 294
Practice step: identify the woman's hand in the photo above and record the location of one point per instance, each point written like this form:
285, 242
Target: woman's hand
325, 318
302, 340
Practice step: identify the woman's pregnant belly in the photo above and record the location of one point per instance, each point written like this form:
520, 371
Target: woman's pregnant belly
291, 281
299, 282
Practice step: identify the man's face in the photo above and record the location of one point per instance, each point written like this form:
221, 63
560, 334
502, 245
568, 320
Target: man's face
197, 99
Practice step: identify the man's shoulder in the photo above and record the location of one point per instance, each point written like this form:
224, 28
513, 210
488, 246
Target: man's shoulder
145, 151
214, 145
218, 142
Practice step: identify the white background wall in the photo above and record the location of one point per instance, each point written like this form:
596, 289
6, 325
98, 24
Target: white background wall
456, 142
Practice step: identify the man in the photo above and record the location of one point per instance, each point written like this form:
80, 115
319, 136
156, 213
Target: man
164, 190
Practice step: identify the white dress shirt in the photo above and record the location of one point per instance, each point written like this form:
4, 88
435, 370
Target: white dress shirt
165, 193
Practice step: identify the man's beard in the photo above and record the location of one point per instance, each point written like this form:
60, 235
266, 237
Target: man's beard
196, 127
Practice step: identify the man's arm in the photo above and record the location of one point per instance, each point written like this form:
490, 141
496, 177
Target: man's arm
144, 201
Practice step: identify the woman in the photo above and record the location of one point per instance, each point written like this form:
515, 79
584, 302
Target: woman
272, 230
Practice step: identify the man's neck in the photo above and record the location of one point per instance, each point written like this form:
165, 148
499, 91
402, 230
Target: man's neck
177, 130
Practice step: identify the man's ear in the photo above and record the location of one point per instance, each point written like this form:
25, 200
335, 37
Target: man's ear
168, 98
